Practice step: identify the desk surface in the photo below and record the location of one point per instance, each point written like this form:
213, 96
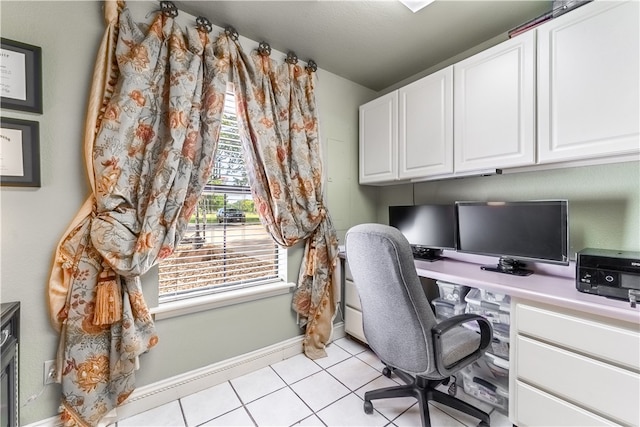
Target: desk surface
558, 290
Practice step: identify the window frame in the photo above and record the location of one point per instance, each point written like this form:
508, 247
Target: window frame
213, 297
227, 296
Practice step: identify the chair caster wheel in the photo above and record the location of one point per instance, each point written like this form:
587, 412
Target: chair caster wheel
386, 372
368, 407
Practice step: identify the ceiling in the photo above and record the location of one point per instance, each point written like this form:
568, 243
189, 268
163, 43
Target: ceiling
376, 43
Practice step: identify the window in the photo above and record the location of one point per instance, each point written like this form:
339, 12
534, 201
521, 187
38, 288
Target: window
225, 246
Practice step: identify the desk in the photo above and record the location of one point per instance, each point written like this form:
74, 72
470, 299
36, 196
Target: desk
574, 357
554, 285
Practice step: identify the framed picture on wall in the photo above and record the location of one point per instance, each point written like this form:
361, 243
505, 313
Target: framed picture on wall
19, 153
20, 76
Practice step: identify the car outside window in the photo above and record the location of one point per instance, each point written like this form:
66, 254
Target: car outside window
231, 215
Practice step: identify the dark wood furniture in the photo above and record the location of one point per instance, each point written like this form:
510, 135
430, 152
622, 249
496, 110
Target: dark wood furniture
9, 408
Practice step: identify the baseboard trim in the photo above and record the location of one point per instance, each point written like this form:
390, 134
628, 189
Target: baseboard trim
47, 422
164, 391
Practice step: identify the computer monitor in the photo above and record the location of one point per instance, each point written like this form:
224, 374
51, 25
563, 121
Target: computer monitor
429, 228
514, 231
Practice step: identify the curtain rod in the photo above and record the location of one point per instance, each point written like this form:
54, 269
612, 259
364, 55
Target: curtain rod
170, 10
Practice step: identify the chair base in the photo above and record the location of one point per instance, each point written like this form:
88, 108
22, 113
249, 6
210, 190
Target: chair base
424, 391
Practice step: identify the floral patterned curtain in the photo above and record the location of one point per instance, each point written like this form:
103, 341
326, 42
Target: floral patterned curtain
279, 132
151, 132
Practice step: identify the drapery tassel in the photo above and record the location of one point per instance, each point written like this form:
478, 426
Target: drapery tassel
108, 298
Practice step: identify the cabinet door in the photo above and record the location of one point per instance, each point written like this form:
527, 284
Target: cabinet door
425, 126
379, 140
588, 98
494, 107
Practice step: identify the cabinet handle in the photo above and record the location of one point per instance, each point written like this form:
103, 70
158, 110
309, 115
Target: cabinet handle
5, 336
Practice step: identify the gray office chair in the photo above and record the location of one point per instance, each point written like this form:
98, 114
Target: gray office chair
400, 326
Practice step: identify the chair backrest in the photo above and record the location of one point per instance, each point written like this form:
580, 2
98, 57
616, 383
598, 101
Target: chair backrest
397, 316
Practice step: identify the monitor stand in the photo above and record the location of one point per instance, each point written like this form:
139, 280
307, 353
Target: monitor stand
426, 254
509, 266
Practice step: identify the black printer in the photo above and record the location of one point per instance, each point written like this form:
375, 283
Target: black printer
610, 273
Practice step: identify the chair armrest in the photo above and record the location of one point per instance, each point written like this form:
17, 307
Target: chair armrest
486, 335
486, 330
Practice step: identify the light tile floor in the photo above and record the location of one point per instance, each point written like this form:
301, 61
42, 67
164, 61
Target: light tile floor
302, 392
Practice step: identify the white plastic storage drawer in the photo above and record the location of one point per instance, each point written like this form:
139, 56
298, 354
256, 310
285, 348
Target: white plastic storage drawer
605, 341
445, 309
494, 297
537, 408
495, 312
452, 292
353, 323
498, 366
614, 391
481, 386
351, 297
500, 342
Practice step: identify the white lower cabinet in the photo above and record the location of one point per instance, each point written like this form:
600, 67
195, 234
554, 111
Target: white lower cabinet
573, 369
352, 309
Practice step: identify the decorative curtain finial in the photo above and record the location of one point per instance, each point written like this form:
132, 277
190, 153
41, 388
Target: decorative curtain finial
168, 9
311, 67
204, 24
264, 49
292, 58
231, 33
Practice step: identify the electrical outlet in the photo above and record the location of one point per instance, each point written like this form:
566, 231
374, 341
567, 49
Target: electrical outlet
49, 372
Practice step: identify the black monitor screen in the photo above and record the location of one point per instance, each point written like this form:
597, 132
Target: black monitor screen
535, 230
428, 226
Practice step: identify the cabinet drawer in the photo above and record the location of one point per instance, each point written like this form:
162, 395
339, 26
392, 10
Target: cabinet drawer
611, 343
611, 391
353, 323
347, 271
351, 297
537, 408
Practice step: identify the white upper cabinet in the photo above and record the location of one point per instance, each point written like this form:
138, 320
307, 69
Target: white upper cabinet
494, 107
379, 140
425, 126
588, 74
576, 99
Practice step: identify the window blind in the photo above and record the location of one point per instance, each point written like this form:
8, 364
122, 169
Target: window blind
225, 246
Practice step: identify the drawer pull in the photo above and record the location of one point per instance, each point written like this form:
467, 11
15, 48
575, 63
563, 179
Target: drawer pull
5, 336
